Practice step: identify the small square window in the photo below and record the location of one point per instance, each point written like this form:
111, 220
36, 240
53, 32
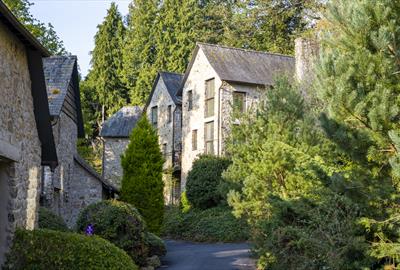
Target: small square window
239, 101
164, 149
209, 98
154, 116
209, 137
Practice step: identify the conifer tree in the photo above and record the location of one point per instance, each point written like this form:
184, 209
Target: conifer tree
359, 83
140, 49
106, 63
142, 184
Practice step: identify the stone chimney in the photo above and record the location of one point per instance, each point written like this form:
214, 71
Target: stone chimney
306, 53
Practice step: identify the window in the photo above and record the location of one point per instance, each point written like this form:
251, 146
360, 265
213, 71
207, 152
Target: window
190, 100
239, 101
194, 140
169, 113
164, 149
154, 116
209, 137
209, 101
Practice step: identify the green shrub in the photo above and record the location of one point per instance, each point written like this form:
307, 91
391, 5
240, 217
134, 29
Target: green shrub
142, 184
49, 220
46, 249
202, 188
211, 225
118, 222
185, 204
156, 245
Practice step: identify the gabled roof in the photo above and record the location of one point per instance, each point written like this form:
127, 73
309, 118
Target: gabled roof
35, 52
61, 72
121, 123
172, 82
243, 66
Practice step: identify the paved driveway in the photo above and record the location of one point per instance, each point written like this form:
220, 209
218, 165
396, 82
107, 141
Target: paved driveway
194, 256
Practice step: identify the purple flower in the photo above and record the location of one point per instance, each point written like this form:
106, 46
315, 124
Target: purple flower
89, 231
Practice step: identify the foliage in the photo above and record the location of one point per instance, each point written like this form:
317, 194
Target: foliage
142, 184
46, 249
359, 82
119, 223
185, 204
49, 220
204, 179
45, 34
156, 245
211, 225
106, 71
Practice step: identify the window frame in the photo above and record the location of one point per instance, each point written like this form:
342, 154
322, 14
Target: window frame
154, 122
207, 140
190, 100
169, 114
208, 98
194, 140
244, 101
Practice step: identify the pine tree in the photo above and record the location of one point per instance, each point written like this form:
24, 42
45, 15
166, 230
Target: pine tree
45, 34
106, 71
359, 83
142, 184
139, 53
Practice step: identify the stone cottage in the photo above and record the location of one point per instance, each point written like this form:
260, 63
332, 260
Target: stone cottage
74, 184
218, 80
164, 110
115, 134
26, 138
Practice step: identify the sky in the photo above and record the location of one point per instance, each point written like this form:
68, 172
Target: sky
75, 22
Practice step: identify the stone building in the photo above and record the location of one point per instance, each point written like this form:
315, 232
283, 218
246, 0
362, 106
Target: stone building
115, 134
164, 110
74, 184
218, 80
26, 138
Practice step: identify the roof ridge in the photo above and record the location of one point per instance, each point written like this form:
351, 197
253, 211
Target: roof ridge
170, 72
241, 49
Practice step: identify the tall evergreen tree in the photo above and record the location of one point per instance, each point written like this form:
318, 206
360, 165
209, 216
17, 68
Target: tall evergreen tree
359, 83
140, 49
142, 184
106, 63
45, 34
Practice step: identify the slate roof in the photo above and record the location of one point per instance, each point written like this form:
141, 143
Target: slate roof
58, 73
172, 82
244, 66
121, 123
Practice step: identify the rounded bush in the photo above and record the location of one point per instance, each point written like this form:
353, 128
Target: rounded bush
202, 188
156, 245
49, 220
118, 222
47, 249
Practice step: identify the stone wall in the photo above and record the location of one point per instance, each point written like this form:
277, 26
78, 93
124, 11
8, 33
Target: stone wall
56, 188
85, 188
194, 119
112, 170
169, 135
253, 95
20, 151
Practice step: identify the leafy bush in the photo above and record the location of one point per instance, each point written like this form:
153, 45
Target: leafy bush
202, 188
118, 222
185, 204
46, 249
211, 225
49, 220
142, 183
156, 245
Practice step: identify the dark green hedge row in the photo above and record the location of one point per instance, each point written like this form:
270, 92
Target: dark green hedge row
46, 249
